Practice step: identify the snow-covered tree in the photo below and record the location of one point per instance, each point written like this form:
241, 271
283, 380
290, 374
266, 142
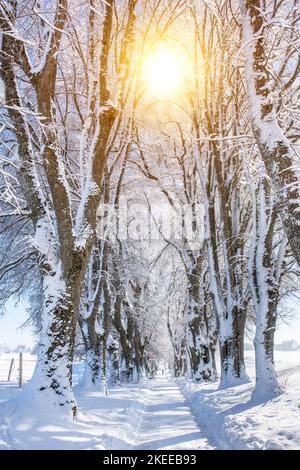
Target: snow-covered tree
270, 29
53, 148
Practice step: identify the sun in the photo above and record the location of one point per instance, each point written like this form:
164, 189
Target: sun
162, 72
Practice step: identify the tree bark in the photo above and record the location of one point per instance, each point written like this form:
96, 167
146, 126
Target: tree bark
232, 348
275, 149
198, 334
267, 383
114, 358
265, 273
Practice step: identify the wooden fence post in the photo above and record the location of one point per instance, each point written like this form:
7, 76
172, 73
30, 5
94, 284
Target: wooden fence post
10, 369
20, 369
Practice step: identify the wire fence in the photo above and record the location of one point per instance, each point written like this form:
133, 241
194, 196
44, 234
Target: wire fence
16, 369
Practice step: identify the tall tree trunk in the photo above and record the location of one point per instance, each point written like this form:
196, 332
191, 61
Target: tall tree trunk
114, 358
265, 272
267, 383
125, 334
95, 323
52, 377
138, 352
92, 378
275, 149
197, 334
95, 342
179, 353
232, 331
230, 318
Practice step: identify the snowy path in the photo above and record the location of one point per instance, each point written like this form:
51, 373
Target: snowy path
154, 415
168, 421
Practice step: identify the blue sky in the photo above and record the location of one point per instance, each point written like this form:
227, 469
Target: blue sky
12, 334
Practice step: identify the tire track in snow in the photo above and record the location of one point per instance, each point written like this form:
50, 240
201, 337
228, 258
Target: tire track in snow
168, 421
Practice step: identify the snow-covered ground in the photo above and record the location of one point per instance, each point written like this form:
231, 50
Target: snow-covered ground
155, 415
168, 422
102, 423
236, 422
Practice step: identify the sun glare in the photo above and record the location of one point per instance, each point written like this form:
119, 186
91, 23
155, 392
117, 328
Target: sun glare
162, 72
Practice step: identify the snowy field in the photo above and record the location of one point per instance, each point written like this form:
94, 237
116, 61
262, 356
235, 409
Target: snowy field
29, 361
165, 414
283, 359
5, 361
